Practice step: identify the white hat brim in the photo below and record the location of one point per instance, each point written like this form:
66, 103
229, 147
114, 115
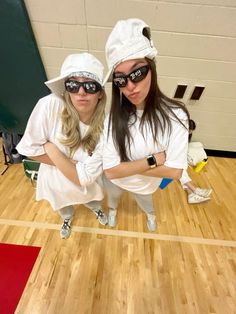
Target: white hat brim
108, 77
150, 54
56, 85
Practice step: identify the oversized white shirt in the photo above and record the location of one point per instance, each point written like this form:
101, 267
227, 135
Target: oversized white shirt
174, 144
44, 125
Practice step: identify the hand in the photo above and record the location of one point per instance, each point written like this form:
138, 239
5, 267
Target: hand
74, 162
160, 158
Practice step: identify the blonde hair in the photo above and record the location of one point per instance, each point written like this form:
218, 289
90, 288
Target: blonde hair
71, 129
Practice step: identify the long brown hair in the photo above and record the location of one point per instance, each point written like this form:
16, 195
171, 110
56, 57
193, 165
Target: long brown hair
122, 110
71, 130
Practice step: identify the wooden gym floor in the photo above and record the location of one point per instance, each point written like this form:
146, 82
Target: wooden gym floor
187, 266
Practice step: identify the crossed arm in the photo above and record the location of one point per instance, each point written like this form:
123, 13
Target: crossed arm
129, 168
54, 157
67, 166
43, 159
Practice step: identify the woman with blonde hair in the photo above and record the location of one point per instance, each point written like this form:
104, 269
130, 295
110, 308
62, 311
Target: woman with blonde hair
68, 123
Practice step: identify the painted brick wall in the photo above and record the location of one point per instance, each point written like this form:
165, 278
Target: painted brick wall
196, 40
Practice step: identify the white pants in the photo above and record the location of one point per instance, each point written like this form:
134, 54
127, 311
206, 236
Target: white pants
67, 212
114, 192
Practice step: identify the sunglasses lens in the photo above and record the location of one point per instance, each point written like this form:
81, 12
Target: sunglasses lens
120, 81
139, 74
91, 87
135, 76
73, 86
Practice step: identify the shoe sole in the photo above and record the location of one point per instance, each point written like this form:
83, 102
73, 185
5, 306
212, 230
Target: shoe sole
200, 201
65, 237
111, 225
103, 224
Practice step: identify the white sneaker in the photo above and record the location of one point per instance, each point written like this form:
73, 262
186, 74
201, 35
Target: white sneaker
195, 198
66, 229
203, 192
112, 217
101, 216
151, 222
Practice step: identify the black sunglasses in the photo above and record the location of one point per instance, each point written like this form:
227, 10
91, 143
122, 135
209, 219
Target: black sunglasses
135, 76
90, 87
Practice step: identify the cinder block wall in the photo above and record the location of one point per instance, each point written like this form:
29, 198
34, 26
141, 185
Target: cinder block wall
196, 40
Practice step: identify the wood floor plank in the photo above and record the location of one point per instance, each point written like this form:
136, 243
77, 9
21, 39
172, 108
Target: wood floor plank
121, 233
106, 274
187, 266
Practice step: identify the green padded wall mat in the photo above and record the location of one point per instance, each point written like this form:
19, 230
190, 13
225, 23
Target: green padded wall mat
22, 74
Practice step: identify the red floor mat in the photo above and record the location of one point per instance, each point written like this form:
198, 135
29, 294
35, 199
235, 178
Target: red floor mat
16, 263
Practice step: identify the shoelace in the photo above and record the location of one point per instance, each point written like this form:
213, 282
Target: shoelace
100, 213
66, 224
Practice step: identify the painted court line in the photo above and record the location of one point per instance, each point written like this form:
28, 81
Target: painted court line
121, 233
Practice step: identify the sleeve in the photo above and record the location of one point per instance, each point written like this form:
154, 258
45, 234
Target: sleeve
36, 132
111, 156
90, 169
177, 148
105, 156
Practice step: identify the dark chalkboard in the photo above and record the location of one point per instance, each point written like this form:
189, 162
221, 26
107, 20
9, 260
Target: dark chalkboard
22, 74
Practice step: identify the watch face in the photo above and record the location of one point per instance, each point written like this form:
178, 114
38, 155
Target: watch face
151, 161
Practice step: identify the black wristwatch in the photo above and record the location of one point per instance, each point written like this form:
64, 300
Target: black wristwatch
151, 160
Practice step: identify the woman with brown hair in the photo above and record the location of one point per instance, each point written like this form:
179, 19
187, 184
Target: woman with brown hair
146, 132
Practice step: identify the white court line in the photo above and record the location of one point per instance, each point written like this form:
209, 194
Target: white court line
121, 233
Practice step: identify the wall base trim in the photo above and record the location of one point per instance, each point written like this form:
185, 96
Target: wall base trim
220, 153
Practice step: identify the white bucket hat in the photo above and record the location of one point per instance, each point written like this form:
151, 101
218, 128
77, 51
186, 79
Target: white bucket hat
82, 65
129, 39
